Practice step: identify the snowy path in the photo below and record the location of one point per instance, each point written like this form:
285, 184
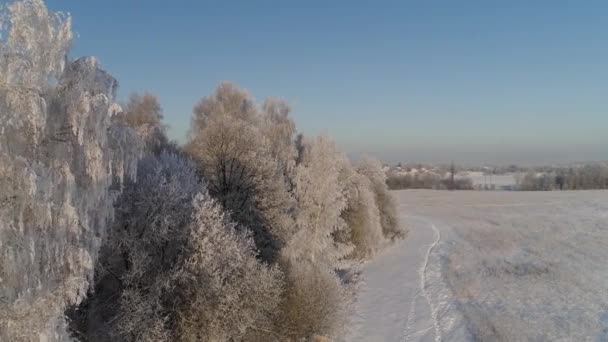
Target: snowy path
393, 304
520, 266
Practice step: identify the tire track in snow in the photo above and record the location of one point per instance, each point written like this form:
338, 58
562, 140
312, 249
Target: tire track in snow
410, 321
410, 318
422, 291
425, 294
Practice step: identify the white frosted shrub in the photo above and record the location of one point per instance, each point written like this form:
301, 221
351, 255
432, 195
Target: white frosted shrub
313, 303
361, 215
176, 268
320, 201
372, 169
223, 292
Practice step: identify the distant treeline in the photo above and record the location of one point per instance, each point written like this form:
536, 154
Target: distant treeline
592, 176
427, 181
545, 178
488, 169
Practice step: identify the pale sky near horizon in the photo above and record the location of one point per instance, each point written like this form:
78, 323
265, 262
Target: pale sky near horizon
429, 81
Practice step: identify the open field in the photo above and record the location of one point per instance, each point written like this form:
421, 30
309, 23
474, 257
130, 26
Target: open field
493, 266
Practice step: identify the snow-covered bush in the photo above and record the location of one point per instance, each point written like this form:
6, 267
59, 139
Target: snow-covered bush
241, 164
320, 201
372, 169
313, 302
361, 215
59, 157
176, 268
313, 298
227, 295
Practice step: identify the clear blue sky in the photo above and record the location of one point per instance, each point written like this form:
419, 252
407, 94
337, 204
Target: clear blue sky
474, 81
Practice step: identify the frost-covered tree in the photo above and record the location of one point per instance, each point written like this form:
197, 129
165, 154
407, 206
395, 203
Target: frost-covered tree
226, 293
241, 164
320, 200
533, 181
60, 158
280, 131
144, 114
143, 111
361, 215
372, 169
175, 268
36, 44
293, 194
337, 217
313, 297
227, 101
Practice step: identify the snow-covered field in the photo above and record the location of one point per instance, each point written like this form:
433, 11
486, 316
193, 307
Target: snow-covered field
490, 266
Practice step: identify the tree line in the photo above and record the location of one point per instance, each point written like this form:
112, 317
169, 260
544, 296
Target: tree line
583, 177
111, 232
587, 177
430, 180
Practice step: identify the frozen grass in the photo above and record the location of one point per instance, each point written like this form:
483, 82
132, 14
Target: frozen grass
519, 266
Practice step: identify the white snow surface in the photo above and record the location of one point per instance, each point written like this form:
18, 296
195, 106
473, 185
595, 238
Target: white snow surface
490, 266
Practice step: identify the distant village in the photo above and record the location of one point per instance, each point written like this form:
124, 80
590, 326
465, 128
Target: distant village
423, 176
593, 175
